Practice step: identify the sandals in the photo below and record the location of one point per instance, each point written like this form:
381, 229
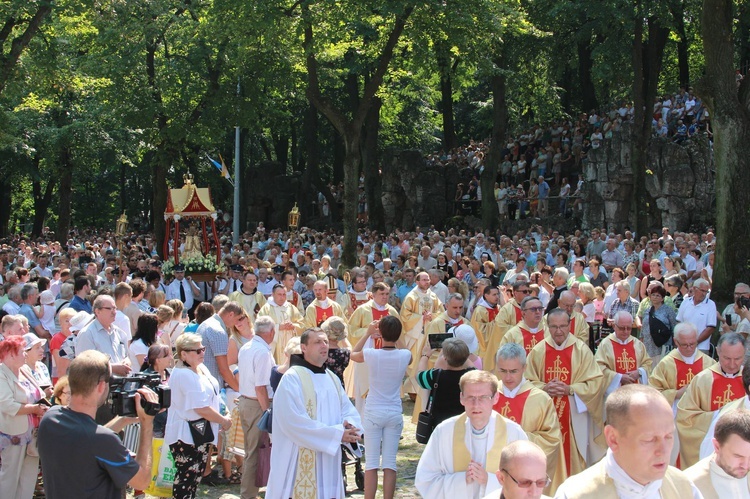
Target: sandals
235, 478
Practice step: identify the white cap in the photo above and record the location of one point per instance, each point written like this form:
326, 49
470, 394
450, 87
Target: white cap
47, 297
80, 320
466, 333
31, 339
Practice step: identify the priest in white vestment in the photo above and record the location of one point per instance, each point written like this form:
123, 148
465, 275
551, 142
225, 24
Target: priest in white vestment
312, 417
463, 453
724, 473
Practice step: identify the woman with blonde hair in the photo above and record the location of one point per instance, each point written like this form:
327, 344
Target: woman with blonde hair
195, 397
164, 314
176, 325
292, 348
339, 348
587, 294
157, 299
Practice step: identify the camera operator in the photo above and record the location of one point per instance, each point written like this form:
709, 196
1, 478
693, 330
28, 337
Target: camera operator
101, 466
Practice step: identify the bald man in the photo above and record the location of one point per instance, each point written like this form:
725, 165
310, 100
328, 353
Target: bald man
639, 435
522, 473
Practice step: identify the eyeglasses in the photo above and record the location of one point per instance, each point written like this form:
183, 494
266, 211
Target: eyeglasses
196, 350
686, 345
474, 400
524, 291
525, 484
534, 309
702, 290
628, 326
108, 308
559, 328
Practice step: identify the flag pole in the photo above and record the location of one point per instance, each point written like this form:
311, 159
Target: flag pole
236, 213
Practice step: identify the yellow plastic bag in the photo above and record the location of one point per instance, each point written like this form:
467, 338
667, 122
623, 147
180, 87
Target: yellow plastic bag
162, 469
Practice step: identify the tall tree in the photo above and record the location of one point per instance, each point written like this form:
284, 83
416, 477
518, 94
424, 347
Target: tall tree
22, 20
729, 105
350, 128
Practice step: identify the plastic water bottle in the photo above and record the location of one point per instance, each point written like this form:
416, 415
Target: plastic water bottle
223, 401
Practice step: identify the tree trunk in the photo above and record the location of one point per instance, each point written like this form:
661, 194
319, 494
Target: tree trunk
373, 182
10, 53
585, 65
163, 160
683, 60
730, 121
647, 61
351, 179
42, 201
64, 215
743, 35
5, 205
490, 214
443, 54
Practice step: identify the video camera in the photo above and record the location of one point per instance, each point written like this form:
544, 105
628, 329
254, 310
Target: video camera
122, 390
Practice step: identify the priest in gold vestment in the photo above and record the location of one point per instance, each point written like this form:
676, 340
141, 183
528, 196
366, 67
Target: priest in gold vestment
322, 307
510, 314
358, 383
419, 308
530, 331
710, 390
623, 357
565, 369
289, 322
483, 317
520, 401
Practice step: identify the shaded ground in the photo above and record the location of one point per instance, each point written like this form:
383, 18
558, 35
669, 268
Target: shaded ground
407, 458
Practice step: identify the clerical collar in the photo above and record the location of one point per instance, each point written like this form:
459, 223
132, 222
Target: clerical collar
626, 487
324, 303
727, 375
621, 342
453, 321
512, 393
378, 307
298, 360
559, 347
533, 329
723, 475
484, 304
242, 290
274, 304
689, 360
479, 433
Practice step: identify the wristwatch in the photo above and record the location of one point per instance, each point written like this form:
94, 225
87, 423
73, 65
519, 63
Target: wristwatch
570, 391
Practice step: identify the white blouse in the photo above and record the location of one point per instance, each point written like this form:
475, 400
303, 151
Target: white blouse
190, 391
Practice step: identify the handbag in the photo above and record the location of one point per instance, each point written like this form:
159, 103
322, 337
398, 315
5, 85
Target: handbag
425, 420
201, 431
265, 423
660, 332
264, 462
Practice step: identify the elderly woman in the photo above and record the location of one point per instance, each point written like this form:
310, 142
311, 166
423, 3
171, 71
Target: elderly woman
19, 415
658, 316
195, 396
34, 353
339, 348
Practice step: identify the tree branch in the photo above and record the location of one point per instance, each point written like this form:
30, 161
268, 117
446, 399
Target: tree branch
21, 42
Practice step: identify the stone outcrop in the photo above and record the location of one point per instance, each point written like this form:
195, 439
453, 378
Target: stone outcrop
679, 177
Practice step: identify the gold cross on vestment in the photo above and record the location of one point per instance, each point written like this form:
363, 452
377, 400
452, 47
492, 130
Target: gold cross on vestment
558, 371
532, 343
688, 378
625, 362
728, 397
505, 411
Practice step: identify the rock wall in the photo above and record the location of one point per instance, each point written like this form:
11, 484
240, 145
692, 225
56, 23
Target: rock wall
680, 178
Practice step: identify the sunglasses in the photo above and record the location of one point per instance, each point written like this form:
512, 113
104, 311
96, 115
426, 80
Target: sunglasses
196, 350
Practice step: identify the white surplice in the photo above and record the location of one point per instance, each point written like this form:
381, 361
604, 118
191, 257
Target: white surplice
436, 478
293, 428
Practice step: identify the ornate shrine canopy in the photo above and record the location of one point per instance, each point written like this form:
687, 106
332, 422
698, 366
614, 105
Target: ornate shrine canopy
189, 201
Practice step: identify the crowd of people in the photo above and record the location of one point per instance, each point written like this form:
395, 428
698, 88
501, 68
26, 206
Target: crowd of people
531, 358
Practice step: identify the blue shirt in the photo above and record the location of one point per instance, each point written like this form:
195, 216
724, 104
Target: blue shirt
28, 312
543, 190
79, 304
403, 290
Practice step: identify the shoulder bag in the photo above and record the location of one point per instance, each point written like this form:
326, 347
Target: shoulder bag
425, 421
660, 332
